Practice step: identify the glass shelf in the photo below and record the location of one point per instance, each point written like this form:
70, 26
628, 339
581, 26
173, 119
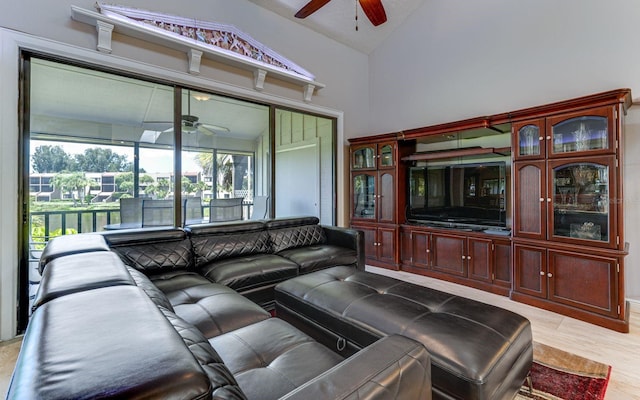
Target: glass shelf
364, 158
580, 134
364, 205
386, 156
581, 201
529, 140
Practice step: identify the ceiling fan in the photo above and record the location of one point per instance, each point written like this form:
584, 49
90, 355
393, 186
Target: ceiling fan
191, 123
373, 9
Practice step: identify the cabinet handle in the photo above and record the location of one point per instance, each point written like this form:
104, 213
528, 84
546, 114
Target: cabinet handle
468, 257
550, 275
548, 137
428, 250
541, 138
541, 199
548, 199
464, 257
542, 273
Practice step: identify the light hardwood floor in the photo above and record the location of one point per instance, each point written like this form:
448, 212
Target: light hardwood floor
620, 350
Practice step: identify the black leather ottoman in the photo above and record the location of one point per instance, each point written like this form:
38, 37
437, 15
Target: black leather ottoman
478, 351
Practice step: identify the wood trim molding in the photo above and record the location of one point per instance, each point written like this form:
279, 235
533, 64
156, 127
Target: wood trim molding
195, 50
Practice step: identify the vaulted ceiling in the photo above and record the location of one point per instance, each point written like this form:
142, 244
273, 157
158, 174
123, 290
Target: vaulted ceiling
336, 20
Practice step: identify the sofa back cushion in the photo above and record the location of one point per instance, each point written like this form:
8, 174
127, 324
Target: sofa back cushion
216, 242
298, 236
153, 250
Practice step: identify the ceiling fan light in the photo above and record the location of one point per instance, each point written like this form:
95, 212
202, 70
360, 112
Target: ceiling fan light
202, 97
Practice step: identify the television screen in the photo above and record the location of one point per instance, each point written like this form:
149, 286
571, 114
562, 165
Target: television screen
458, 193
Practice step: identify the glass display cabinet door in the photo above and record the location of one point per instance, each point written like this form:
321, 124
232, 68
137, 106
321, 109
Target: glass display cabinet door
529, 139
581, 209
364, 204
385, 156
585, 133
363, 158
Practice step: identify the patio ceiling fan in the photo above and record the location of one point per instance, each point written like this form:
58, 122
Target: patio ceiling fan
191, 123
373, 9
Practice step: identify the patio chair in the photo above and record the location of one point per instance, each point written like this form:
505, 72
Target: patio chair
260, 207
157, 213
130, 212
225, 209
192, 210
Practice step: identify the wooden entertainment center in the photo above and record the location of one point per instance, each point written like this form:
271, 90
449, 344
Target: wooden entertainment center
562, 245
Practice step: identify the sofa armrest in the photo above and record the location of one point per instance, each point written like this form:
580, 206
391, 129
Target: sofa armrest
393, 367
347, 237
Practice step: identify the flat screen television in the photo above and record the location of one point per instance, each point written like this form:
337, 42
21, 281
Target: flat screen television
458, 194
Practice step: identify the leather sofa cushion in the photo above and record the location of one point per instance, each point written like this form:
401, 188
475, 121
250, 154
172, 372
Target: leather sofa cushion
224, 384
320, 256
75, 347
290, 222
212, 308
478, 351
80, 272
271, 358
154, 257
71, 244
299, 236
210, 248
250, 272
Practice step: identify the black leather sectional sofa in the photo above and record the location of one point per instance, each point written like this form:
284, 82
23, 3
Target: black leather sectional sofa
189, 314
136, 315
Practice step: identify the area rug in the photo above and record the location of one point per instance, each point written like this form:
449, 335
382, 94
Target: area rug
558, 375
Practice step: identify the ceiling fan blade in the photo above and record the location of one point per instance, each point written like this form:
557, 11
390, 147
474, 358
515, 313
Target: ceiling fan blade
218, 128
374, 11
310, 8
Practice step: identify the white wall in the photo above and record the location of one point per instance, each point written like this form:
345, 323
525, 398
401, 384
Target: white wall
46, 25
457, 59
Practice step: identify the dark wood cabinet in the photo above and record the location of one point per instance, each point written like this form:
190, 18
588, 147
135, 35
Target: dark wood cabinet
566, 248
559, 278
568, 245
377, 203
584, 281
379, 244
480, 259
530, 199
531, 269
449, 253
473, 259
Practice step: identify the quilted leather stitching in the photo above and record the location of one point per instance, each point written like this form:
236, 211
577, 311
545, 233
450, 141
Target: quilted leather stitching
289, 238
157, 256
210, 248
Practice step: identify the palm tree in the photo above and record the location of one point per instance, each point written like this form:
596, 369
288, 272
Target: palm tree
75, 182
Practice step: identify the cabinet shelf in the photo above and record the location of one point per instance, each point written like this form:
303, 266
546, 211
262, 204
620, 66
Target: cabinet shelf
472, 151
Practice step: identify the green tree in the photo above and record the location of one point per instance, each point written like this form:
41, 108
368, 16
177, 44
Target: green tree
151, 189
72, 183
50, 159
163, 188
124, 179
205, 161
188, 186
97, 159
146, 179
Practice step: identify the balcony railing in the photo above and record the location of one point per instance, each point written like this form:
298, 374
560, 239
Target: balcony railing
47, 224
